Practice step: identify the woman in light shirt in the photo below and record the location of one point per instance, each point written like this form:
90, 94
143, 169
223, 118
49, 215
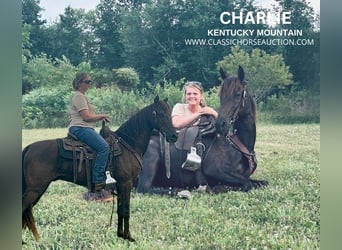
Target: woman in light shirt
188, 113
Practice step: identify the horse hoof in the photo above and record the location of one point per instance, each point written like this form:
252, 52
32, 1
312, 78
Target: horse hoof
264, 183
260, 184
129, 238
247, 187
126, 237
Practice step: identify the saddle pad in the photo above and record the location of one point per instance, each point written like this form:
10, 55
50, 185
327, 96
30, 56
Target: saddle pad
67, 145
186, 138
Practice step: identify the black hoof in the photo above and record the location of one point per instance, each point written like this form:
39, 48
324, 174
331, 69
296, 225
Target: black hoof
126, 237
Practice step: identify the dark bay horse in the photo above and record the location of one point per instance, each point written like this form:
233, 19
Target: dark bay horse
229, 159
41, 163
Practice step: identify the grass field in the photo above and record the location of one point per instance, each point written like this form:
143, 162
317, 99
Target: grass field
284, 215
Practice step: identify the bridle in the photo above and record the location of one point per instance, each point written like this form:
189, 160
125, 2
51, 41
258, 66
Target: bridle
235, 116
234, 140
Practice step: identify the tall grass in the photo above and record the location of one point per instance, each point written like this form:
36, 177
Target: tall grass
284, 215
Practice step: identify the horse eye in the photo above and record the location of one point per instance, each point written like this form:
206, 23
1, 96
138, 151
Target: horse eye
154, 113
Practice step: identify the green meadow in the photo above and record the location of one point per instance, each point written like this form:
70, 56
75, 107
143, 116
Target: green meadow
284, 215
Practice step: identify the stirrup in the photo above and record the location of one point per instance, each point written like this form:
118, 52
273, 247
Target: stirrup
109, 178
193, 161
110, 183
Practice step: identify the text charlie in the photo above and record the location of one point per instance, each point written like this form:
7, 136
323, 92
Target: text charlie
251, 17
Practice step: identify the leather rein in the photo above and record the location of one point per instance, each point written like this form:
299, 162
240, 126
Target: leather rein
234, 140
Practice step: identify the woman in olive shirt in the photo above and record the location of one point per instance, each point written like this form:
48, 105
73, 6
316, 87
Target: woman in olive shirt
82, 125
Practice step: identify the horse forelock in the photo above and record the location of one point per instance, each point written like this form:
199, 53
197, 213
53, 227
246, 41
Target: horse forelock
166, 106
231, 84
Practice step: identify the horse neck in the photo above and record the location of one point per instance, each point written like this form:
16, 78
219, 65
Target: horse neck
246, 131
136, 132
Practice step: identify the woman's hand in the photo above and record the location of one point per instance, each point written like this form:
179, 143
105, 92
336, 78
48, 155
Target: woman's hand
208, 111
104, 117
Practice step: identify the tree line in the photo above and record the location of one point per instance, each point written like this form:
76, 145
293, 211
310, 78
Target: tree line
135, 44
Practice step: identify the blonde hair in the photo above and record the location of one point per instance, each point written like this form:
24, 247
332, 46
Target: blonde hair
80, 77
198, 86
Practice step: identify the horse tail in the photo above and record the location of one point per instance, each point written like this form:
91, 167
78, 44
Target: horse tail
23, 181
28, 221
27, 216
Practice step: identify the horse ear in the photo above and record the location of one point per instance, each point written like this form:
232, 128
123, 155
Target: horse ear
166, 99
156, 99
223, 73
241, 74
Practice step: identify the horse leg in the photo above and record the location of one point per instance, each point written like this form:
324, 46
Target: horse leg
230, 177
37, 174
29, 199
259, 183
124, 196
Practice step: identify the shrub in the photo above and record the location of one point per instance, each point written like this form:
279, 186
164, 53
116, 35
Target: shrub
45, 107
296, 107
42, 71
126, 78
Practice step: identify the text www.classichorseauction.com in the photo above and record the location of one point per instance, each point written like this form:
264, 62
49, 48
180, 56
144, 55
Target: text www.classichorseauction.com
254, 37
245, 41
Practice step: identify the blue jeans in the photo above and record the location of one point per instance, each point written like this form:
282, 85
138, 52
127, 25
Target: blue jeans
90, 137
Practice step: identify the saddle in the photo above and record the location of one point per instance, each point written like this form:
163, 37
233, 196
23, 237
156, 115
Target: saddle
189, 139
188, 136
82, 155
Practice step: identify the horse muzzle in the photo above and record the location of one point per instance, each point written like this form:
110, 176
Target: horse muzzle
171, 137
223, 125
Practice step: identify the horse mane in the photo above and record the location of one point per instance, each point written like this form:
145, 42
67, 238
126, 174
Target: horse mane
254, 107
137, 122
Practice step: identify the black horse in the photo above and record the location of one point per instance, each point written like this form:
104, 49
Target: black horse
42, 164
229, 158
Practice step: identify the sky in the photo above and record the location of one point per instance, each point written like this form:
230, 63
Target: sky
53, 8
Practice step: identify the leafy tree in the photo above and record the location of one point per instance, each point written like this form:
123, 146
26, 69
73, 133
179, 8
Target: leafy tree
31, 16
139, 50
41, 71
264, 72
26, 44
126, 78
154, 38
30, 12
107, 25
102, 77
72, 36
303, 61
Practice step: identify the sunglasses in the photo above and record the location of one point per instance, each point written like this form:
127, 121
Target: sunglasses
192, 83
196, 85
87, 81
